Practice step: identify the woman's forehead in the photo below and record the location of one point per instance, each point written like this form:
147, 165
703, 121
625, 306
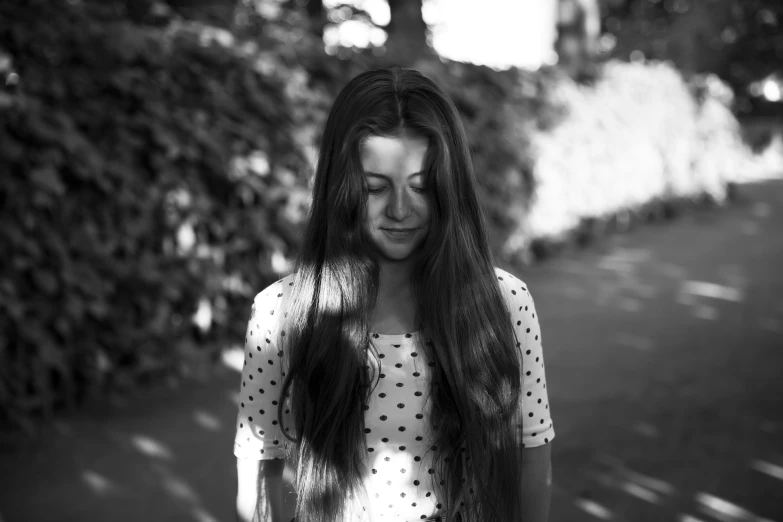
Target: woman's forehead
405, 139
402, 155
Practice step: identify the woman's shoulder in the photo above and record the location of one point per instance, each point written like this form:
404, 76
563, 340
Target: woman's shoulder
513, 289
509, 280
271, 299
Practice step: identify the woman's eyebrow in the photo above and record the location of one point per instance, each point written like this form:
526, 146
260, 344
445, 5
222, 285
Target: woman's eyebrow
377, 175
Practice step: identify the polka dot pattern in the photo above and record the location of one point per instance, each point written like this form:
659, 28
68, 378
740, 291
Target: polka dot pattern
258, 433
398, 432
400, 473
537, 428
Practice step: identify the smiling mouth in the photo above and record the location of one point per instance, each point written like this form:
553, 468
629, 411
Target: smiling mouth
400, 234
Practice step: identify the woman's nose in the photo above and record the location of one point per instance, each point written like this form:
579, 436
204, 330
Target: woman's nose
399, 207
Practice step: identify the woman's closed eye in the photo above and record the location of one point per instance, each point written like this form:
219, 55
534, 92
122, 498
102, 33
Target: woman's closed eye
380, 190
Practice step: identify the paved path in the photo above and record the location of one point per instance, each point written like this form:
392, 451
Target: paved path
663, 350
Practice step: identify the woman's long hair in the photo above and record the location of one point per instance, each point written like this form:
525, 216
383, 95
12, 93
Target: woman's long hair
476, 375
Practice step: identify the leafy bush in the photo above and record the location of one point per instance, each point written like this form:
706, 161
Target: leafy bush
639, 135
149, 175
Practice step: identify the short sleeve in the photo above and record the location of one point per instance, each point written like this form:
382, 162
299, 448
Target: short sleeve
258, 430
537, 425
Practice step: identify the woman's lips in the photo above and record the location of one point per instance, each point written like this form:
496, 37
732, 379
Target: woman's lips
399, 233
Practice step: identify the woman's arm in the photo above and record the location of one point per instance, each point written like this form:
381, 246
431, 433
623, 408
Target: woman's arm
536, 483
536, 429
259, 490
259, 444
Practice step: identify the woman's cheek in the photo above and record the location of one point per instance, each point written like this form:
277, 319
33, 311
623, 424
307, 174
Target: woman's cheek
374, 208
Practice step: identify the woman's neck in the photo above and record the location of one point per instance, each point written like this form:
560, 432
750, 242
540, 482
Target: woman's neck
394, 280
395, 309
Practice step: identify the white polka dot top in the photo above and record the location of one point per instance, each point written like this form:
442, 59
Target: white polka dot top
399, 476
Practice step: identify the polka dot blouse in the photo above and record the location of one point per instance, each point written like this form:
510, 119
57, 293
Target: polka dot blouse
400, 474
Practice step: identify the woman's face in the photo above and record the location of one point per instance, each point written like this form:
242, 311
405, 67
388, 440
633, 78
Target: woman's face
398, 209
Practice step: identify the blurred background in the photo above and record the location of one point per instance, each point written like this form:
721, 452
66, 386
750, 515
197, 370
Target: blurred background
156, 159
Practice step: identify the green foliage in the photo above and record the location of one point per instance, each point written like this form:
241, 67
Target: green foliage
145, 172
640, 135
739, 40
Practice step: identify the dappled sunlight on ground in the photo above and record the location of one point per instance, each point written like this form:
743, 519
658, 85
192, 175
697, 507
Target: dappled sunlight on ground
724, 510
164, 455
623, 286
688, 518
670, 334
201, 515
768, 468
207, 420
616, 476
623, 260
611, 473
697, 294
691, 289
181, 491
628, 279
178, 489
150, 447
640, 492
99, 484
593, 508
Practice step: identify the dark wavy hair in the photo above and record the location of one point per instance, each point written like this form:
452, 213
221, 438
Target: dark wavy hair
475, 382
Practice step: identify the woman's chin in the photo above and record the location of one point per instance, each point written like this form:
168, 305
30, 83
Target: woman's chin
396, 256
397, 252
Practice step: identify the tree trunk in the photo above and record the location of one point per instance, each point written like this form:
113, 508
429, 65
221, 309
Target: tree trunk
214, 12
579, 27
316, 15
407, 32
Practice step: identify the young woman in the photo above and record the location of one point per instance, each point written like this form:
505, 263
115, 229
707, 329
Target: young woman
396, 374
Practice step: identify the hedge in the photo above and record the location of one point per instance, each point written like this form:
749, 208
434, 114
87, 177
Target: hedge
149, 174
